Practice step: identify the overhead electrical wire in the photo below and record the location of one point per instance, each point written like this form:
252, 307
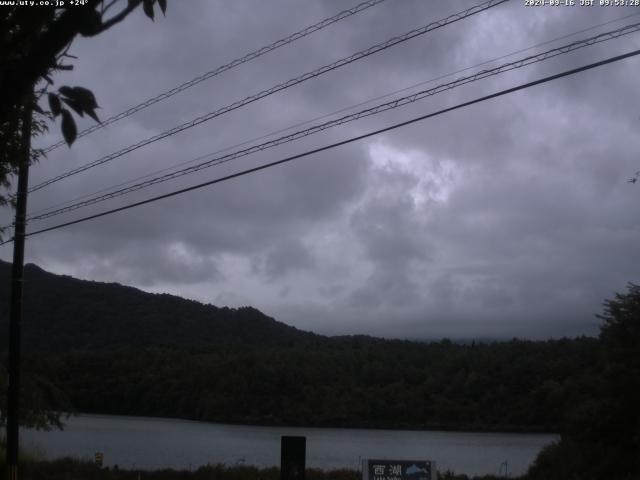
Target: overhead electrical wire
327, 115
223, 68
337, 144
270, 91
627, 29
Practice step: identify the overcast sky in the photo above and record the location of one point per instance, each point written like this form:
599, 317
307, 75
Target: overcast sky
513, 217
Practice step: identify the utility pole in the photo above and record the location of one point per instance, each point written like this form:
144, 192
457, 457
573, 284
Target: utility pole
17, 281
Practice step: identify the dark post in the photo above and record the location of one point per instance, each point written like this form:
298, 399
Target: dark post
292, 458
15, 309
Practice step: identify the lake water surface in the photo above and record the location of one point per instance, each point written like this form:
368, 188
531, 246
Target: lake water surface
152, 443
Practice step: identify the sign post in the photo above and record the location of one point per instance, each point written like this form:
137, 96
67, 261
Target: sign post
293, 458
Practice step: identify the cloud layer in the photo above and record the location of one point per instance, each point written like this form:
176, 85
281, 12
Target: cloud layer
508, 218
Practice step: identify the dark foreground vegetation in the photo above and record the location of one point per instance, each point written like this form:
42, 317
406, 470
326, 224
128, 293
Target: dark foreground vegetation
65, 469
105, 348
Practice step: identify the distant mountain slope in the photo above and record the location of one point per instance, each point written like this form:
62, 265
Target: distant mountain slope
64, 313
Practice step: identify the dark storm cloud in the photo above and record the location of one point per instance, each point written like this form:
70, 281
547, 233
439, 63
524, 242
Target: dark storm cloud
286, 256
508, 218
388, 227
171, 264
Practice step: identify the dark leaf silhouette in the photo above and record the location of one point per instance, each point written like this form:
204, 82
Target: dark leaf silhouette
91, 22
81, 100
66, 91
147, 6
163, 6
54, 104
85, 97
93, 115
69, 129
74, 105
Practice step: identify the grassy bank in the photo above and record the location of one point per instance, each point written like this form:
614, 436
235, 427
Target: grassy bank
27, 457
71, 469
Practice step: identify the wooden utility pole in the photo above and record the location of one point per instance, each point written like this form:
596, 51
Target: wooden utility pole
17, 281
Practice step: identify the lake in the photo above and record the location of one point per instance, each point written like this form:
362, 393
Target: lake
152, 443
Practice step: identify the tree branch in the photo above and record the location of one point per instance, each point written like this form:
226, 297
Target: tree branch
42, 58
117, 18
107, 7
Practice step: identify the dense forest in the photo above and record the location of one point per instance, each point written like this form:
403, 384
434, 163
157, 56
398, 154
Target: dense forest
106, 348
348, 382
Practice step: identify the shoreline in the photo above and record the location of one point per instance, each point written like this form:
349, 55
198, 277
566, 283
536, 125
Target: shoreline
496, 429
137, 443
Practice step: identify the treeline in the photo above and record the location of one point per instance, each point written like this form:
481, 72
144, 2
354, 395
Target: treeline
346, 382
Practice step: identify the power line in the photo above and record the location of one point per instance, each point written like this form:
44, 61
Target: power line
223, 68
349, 118
282, 86
306, 122
337, 144
371, 111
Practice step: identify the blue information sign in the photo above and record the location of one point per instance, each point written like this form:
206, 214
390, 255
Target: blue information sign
398, 470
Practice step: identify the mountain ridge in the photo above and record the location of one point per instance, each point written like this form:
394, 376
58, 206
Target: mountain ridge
65, 313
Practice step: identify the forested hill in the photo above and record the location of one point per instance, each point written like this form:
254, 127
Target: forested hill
62, 313
108, 348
